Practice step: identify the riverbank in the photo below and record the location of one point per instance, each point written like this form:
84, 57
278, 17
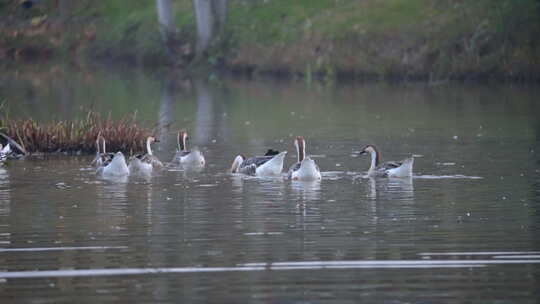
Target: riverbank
394, 39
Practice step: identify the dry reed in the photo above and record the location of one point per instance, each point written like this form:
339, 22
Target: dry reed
78, 136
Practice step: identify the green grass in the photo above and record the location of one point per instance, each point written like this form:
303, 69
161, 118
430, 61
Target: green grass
418, 38
389, 37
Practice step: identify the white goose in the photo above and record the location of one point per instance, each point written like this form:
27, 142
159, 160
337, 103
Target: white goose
117, 167
271, 164
4, 152
185, 157
145, 163
102, 157
387, 169
305, 168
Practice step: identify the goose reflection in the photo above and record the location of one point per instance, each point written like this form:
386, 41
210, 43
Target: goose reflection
391, 188
3, 176
113, 187
138, 176
272, 188
112, 205
190, 173
237, 182
5, 197
305, 191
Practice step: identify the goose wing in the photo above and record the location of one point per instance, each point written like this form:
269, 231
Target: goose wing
248, 170
102, 159
390, 165
256, 160
271, 152
149, 159
294, 167
182, 153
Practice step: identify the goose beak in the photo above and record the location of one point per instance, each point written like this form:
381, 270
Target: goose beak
363, 152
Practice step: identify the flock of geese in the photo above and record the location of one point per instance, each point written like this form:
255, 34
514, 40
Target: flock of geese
268, 165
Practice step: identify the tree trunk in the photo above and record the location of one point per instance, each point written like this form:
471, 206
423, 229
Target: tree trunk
165, 19
220, 11
204, 18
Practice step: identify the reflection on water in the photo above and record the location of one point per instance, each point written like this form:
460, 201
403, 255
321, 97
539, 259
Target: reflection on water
237, 182
4, 192
306, 191
391, 188
209, 120
113, 188
463, 229
166, 112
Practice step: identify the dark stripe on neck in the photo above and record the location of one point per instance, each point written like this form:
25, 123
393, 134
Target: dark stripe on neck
301, 150
378, 157
182, 141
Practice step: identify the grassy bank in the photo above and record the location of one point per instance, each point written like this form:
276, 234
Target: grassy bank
413, 39
391, 38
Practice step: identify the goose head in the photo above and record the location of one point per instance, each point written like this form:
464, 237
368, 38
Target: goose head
238, 160
374, 152
149, 141
300, 145
368, 149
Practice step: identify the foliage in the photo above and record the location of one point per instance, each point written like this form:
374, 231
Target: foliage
390, 38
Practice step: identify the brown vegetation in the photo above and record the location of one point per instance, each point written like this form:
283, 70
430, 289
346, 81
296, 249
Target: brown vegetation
76, 136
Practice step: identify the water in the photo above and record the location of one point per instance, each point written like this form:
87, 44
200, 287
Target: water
465, 228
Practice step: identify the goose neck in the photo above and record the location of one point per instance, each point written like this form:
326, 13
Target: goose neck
181, 140
148, 147
374, 160
300, 150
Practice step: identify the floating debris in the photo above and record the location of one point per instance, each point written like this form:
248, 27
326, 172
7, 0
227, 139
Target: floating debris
446, 164
62, 186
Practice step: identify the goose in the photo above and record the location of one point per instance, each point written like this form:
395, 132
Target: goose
271, 164
102, 157
305, 168
4, 152
387, 169
144, 163
117, 167
185, 157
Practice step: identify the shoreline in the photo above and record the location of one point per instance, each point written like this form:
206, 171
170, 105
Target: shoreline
417, 40
254, 71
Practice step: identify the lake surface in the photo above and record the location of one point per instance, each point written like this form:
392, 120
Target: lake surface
465, 228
